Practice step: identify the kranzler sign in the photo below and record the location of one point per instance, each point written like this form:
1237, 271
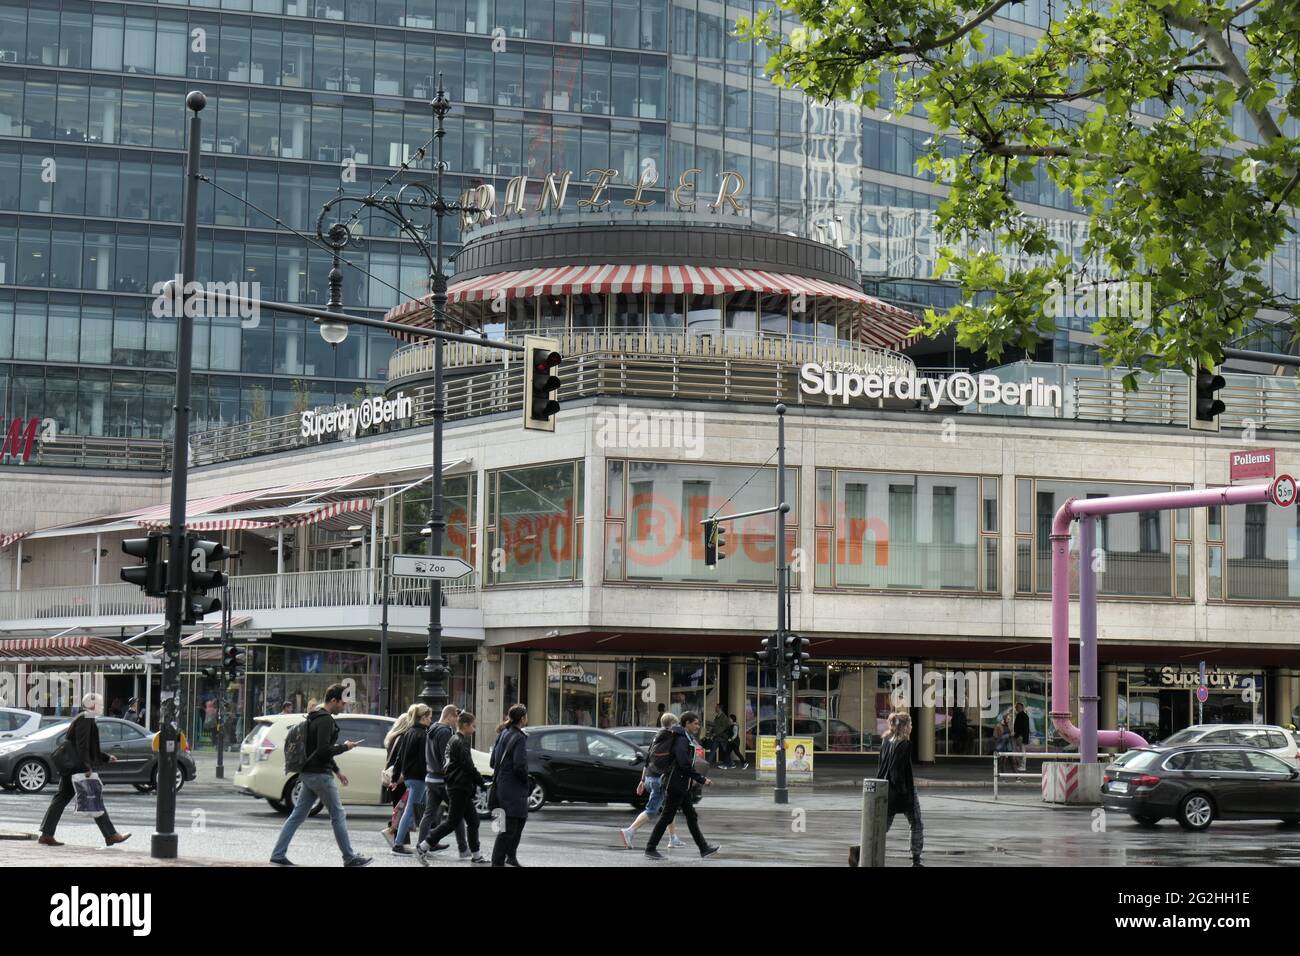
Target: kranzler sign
961, 389
348, 420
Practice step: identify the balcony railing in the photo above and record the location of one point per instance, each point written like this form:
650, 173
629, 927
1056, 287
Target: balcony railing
353, 587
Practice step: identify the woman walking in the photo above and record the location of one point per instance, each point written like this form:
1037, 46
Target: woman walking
896, 767
84, 736
652, 784
510, 784
395, 786
412, 771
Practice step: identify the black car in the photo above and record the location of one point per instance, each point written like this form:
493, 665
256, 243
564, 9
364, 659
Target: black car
26, 764
1201, 783
583, 765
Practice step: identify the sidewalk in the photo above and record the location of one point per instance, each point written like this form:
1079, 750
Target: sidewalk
21, 849
972, 774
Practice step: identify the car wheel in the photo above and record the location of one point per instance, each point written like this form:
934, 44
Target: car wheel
279, 806
1195, 812
481, 804
537, 796
1145, 821
293, 793
31, 776
143, 787
180, 779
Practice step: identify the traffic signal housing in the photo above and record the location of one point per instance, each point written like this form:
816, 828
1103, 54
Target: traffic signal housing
232, 661
770, 655
151, 575
1204, 407
541, 390
201, 577
715, 542
795, 656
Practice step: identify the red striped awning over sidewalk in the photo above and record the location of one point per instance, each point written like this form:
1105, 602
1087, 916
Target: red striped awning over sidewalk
233, 522
74, 648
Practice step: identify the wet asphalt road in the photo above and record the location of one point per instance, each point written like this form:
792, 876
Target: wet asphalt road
963, 827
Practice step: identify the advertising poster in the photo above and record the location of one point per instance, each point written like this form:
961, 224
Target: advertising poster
798, 757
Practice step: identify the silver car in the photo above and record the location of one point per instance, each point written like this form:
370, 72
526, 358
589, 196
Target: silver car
15, 722
1276, 740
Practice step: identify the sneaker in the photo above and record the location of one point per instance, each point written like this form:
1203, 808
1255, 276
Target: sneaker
479, 858
654, 855
401, 849
359, 861
674, 841
283, 863
466, 855
628, 835
709, 851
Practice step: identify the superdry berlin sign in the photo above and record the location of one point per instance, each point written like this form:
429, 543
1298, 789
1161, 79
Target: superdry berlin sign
961, 389
20, 438
350, 419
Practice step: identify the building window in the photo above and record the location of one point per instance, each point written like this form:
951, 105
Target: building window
1259, 559
535, 524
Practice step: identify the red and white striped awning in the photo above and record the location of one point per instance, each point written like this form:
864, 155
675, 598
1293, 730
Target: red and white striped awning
234, 523
35, 650
8, 539
889, 325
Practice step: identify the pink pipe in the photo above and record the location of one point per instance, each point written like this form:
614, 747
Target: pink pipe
1123, 504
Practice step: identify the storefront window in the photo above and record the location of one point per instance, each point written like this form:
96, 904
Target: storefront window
537, 519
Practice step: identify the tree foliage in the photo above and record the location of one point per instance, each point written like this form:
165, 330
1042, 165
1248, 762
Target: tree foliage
1130, 109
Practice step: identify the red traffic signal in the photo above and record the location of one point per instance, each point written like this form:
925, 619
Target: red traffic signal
541, 390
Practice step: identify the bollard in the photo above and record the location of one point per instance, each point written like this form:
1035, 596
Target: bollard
875, 814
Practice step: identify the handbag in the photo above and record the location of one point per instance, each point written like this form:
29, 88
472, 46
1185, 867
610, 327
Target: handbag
90, 794
493, 798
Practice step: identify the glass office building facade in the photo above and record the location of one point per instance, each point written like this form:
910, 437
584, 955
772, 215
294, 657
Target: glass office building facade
310, 97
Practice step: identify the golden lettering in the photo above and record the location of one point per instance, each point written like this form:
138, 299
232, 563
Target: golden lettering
603, 176
686, 185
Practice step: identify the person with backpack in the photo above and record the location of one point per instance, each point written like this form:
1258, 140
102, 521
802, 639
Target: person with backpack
435, 758
510, 784
679, 776
309, 750
412, 771
658, 761
79, 753
394, 784
896, 767
462, 781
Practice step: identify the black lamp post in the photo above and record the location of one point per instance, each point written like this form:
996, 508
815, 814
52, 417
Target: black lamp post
414, 196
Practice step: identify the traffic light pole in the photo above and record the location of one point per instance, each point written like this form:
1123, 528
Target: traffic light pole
163, 844
781, 794
221, 684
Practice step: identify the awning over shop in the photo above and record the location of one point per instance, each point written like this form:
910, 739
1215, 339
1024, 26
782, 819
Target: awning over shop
64, 650
8, 539
889, 325
234, 522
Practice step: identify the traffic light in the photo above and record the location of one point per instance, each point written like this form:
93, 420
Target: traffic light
795, 655
232, 661
542, 388
200, 577
770, 655
209, 675
151, 576
715, 541
1205, 408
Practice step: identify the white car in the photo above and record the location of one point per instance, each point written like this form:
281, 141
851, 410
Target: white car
261, 762
15, 722
1276, 740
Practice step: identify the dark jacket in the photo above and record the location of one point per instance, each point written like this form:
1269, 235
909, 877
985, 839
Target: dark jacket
412, 751
85, 737
683, 771
322, 745
1020, 726
896, 767
435, 751
510, 771
459, 772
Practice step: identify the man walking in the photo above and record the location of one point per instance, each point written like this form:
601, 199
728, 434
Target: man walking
462, 780
719, 731
677, 785
318, 773
1020, 728
435, 756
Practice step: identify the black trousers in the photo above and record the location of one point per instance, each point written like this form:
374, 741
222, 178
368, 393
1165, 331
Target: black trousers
60, 801
674, 802
507, 841
435, 797
461, 817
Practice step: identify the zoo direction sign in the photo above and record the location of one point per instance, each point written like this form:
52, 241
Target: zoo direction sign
420, 566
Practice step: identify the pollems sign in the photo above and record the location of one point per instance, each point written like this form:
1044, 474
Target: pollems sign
348, 420
961, 389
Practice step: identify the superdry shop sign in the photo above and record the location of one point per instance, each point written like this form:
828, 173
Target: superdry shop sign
961, 389
1260, 463
347, 421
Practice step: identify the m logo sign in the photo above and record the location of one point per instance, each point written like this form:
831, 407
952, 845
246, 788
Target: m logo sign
22, 436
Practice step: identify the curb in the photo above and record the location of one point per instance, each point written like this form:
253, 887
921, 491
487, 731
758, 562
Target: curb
18, 836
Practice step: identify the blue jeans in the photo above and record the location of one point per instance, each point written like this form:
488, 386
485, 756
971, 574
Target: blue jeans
654, 803
320, 785
415, 790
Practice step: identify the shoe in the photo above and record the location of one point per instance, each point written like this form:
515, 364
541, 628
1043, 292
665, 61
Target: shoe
709, 851
480, 858
283, 863
654, 855
674, 841
401, 849
916, 861
514, 863
359, 861
628, 835
465, 854
117, 838
745, 765
48, 841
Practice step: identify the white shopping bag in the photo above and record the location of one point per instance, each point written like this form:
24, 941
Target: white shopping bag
90, 794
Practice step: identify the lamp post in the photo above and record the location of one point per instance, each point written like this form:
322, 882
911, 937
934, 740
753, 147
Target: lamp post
414, 195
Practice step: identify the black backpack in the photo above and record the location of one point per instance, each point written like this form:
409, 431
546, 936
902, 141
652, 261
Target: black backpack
295, 747
661, 760
65, 758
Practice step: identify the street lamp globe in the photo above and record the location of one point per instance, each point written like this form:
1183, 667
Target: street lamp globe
333, 332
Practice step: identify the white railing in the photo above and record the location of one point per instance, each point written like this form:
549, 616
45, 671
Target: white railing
250, 592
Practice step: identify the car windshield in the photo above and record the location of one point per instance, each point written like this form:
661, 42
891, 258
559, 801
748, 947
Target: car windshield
1190, 735
1140, 759
51, 731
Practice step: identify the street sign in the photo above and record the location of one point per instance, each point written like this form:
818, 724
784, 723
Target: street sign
1202, 694
1260, 463
1283, 491
419, 566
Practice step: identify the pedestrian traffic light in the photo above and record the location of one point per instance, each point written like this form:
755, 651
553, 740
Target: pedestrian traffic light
770, 655
232, 661
1205, 408
541, 390
796, 656
201, 577
715, 542
151, 576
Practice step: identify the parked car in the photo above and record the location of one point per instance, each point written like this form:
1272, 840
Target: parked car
641, 737
26, 764
261, 762
1278, 741
15, 722
1201, 783
582, 765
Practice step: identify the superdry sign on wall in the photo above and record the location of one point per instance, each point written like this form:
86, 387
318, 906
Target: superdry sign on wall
348, 420
22, 435
961, 389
